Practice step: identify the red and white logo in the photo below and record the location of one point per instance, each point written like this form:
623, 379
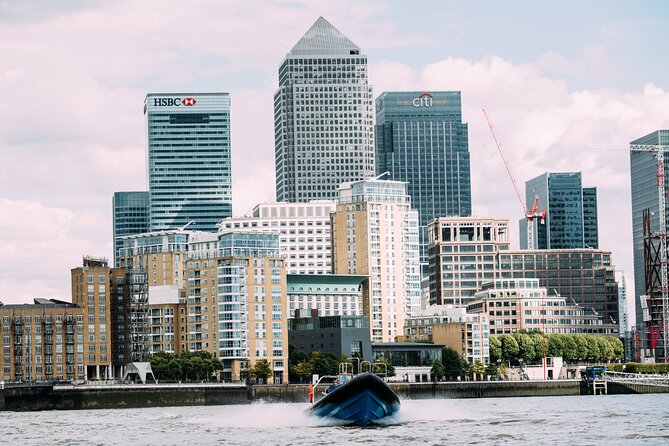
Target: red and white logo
188, 102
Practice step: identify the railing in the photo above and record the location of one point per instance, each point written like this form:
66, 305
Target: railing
638, 378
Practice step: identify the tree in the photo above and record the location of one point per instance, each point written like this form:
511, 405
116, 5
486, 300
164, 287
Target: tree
262, 370
437, 370
492, 370
324, 363
510, 348
304, 370
295, 356
495, 349
389, 370
526, 349
452, 362
478, 369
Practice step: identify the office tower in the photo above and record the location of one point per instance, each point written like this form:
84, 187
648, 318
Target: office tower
303, 229
462, 256
647, 277
375, 233
325, 295
582, 276
421, 139
571, 220
131, 216
188, 160
323, 117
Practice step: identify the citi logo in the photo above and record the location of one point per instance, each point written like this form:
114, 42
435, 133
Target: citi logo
424, 100
174, 102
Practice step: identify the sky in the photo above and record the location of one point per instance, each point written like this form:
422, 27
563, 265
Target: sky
74, 73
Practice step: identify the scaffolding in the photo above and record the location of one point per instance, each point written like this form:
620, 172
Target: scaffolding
653, 303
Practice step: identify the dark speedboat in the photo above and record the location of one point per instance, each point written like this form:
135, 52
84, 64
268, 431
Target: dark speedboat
360, 401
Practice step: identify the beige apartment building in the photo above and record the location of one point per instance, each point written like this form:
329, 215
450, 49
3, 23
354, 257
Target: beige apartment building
375, 234
42, 342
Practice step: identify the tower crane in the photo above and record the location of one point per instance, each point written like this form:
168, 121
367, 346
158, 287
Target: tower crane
530, 214
658, 151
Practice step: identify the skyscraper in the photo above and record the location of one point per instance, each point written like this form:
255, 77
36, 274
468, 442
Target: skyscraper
323, 116
131, 216
571, 220
421, 139
643, 167
188, 160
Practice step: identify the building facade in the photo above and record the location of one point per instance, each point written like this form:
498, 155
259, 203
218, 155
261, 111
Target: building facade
421, 139
323, 117
571, 219
644, 170
303, 229
339, 335
42, 342
131, 216
328, 294
462, 256
521, 304
585, 277
189, 164
466, 333
375, 234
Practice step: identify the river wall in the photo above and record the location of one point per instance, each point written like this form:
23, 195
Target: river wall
129, 396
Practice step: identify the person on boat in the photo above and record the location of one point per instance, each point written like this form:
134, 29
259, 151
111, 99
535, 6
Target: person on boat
332, 386
311, 392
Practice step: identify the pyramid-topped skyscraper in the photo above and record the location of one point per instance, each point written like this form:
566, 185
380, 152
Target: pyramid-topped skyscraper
323, 116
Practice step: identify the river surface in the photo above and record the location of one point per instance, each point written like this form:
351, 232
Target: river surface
577, 420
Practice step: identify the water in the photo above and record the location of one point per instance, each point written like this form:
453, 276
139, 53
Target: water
578, 420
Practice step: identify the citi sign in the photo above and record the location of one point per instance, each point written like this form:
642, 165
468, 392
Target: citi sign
424, 100
174, 102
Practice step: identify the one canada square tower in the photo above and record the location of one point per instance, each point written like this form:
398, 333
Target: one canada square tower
323, 117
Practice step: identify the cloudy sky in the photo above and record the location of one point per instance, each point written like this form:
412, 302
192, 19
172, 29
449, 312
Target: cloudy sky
74, 73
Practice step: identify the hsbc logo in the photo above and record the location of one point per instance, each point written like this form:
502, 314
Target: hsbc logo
174, 102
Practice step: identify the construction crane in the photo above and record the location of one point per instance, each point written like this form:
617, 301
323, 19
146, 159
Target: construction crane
530, 214
658, 151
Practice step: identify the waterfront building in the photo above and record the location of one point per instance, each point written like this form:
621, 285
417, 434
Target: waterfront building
339, 335
248, 277
582, 276
131, 216
644, 170
167, 320
375, 234
412, 361
42, 342
327, 294
421, 139
466, 333
323, 117
303, 229
115, 303
462, 256
189, 164
571, 219
521, 304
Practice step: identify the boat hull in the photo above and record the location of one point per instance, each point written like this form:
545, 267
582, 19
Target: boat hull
362, 401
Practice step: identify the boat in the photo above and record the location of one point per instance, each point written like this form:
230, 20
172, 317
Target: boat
358, 401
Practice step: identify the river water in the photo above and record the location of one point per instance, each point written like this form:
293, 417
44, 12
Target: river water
578, 420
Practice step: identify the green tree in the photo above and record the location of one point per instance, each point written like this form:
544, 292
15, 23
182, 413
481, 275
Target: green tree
594, 354
324, 363
246, 371
295, 356
303, 370
492, 369
582, 348
477, 369
526, 349
389, 370
510, 349
262, 370
452, 362
495, 349
174, 370
437, 370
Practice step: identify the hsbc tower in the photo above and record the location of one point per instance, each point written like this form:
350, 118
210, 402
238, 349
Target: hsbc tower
188, 160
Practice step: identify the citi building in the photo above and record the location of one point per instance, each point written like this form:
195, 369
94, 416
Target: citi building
188, 164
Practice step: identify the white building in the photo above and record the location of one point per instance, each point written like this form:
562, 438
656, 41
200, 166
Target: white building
375, 233
303, 230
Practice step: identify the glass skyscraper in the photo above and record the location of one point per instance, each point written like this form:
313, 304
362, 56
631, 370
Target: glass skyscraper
323, 117
188, 164
421, 139
131, 216
643, 167
571, 220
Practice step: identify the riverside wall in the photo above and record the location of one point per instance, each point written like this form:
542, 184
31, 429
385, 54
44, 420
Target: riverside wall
133, 396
